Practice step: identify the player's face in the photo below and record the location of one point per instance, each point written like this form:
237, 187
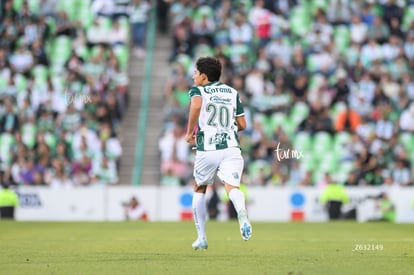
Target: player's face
198, 78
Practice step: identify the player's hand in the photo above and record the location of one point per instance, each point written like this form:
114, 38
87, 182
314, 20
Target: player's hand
190, 138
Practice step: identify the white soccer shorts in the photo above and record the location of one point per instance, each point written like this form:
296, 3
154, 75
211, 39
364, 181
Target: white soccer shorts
228, 163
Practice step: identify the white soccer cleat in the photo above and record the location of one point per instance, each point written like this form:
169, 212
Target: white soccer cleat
245, 226
200, 244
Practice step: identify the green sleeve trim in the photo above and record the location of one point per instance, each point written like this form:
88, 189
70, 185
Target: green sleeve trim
194, 91
239, 107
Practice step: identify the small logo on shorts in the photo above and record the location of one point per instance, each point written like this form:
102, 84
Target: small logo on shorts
198, 172
236, 175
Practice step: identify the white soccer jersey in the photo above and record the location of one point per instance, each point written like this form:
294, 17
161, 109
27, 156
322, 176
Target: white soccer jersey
217, 122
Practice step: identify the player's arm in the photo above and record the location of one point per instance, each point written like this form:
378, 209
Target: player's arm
195, 108
241, 123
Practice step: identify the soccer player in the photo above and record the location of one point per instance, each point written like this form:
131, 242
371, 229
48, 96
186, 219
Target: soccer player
218, 112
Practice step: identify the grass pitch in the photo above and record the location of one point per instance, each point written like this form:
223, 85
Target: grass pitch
165, 248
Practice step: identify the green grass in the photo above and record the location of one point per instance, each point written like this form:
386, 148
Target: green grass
165, 248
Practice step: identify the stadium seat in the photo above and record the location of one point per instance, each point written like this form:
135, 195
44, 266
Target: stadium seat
6, 142
299, 21
17, 5
336, 109
322, 143
3, 82
20, 82
271, 122
407, 140
122, 53
341, 139
86, 17
318, 4
302, 141
342, 37
61, 51
308, 162
345, 167
299, 112
29, 131
40, 71
408, 17
256, 165
33, 5
70, 7
328, 162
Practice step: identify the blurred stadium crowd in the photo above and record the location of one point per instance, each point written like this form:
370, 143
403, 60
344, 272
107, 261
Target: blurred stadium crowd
63, 90
328, 82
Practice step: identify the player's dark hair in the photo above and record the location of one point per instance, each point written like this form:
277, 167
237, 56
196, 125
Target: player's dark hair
210, 66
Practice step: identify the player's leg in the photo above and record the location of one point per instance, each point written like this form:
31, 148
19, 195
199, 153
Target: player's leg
200, 216
239, 202
230, 172
204, 171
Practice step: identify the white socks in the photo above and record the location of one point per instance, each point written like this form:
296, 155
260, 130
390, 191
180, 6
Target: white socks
237, 197
200, 214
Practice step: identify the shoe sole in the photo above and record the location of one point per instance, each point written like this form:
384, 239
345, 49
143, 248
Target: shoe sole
200, 248
246, 231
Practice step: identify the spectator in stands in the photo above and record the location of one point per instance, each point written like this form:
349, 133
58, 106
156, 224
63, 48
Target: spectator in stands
324, 122
409, 48
22, 60
29, 170
341, 87
278, 48
105, 8
296, 175
8, 10
407, 119
162, 15
378, 31
308, 179
204, 25
347, 120
391, 10
401, 173
139, 16
261, 19
240, 30
96, 35
117, 35
179, 11
352, 179
135, 211
333, 197
9, 122
177, 91
338, 13
39, 53
121, 9
9, 201
104, 172
317, 39
358, 30
48, 8
80, 177
64, 26
174, 152
60, 177
371, 51
24, 17
299, 87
